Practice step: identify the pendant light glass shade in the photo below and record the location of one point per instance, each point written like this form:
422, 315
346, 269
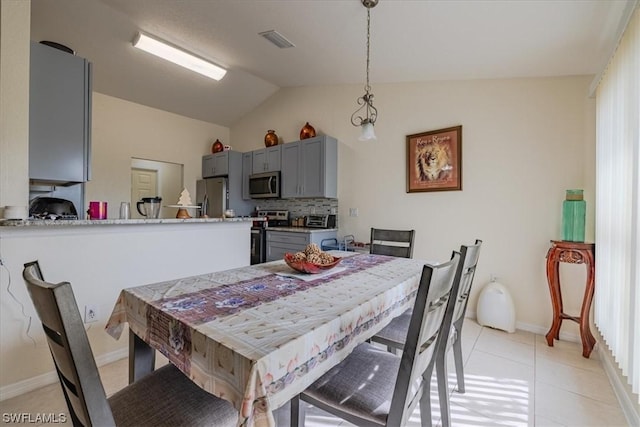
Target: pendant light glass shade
367, 132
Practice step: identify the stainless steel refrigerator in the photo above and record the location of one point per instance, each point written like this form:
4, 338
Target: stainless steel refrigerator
213, 195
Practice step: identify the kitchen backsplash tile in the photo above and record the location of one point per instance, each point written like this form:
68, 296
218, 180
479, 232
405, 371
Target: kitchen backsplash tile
301, 207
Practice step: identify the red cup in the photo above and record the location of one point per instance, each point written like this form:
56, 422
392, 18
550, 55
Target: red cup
97, 210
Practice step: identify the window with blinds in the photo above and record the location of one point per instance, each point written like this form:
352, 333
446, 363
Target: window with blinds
617, 294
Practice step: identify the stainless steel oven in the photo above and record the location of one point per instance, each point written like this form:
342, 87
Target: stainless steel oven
264, 185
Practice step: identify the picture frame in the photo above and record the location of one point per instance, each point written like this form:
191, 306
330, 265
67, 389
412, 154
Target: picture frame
434, 160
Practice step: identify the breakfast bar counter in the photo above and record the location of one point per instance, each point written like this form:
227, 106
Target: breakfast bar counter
84, 222
99, 258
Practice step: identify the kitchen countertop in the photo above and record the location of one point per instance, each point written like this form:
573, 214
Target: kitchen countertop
301, 229
84, 222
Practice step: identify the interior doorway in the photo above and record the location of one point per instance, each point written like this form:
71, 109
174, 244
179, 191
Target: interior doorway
151, 178
144, 183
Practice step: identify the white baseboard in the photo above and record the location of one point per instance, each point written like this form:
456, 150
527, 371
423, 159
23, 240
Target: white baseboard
535, 329
30, 384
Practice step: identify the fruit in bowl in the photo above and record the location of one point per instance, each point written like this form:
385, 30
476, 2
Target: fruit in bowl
312, 260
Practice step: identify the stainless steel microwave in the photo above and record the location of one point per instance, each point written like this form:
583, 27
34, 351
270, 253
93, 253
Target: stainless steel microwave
264, 185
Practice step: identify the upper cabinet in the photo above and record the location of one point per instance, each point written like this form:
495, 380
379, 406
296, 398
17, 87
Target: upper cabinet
310, 168
218, 164
59, 116
266, 159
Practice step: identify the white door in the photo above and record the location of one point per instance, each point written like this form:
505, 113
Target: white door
144, 183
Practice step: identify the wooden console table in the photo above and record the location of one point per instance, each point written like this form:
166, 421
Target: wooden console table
573, 253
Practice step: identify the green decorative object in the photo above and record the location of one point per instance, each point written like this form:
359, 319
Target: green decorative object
573, 215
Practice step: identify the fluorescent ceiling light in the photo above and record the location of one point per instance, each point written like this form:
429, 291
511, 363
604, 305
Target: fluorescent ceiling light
178, 56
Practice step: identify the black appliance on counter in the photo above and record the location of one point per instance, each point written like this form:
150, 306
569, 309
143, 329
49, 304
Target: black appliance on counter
259, 233
320, 221
52, 208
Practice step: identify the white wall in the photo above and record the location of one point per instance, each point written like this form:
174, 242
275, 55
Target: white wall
525, 141
15, 22
122, 130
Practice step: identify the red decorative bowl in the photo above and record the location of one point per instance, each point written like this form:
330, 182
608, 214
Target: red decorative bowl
309, 267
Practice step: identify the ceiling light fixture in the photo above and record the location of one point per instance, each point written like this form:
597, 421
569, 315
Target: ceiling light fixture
178, 56
366, 101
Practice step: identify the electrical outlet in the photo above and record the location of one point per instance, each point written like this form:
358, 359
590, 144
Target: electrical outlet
353, 211
90, 313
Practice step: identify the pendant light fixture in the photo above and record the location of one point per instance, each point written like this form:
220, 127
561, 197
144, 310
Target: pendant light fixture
366, 101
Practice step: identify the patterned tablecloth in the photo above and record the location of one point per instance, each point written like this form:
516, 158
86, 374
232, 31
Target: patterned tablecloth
255, 335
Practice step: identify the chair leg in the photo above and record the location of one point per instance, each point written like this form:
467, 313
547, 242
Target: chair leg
391, 349
443, 388
297, 412
425, 399
457, 357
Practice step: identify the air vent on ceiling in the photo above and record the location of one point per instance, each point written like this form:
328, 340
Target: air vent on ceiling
276, 38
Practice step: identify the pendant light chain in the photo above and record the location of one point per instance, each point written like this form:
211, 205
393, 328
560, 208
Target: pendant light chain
366, 115
367, 88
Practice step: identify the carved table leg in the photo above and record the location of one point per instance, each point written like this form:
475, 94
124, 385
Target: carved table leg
553, 279
588, 341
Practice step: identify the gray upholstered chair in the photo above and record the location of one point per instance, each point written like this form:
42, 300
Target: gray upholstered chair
373, 387
166, 397
394, 335
392, 242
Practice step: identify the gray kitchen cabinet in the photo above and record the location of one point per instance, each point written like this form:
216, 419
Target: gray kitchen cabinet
217, 164
59, 116
281, 242
266, 159
247, 170
310, 168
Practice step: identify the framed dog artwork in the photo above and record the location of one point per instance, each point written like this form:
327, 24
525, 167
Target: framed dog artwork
434, 160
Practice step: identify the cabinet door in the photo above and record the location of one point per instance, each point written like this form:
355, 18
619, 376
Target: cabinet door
312, 168
208, 166
273, 155
266, 159
319, 167
247, 165
215, 164
59, 115
259, 161
290, 172
221, 163
280, 242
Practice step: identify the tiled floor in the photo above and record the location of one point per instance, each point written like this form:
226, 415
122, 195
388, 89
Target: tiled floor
511, 380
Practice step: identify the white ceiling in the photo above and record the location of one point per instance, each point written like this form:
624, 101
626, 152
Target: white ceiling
411, 40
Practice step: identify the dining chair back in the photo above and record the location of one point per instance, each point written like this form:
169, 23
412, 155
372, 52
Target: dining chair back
465, 274
164, 397
397, 243
394, 335
427, 329
372, 387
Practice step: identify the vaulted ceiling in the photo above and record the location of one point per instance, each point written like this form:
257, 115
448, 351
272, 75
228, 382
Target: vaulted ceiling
411, 40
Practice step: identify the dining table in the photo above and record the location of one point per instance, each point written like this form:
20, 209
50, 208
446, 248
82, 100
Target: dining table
259, 335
